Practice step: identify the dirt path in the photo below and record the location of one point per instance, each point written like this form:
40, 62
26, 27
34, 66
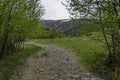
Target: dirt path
52, 63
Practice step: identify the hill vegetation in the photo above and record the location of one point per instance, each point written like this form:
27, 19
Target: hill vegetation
43, 32
73, 27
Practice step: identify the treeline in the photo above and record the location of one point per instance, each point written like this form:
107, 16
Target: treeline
18, 18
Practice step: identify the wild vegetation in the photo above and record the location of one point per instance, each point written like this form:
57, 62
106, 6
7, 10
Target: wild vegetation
18, 18
43, 32
106, 14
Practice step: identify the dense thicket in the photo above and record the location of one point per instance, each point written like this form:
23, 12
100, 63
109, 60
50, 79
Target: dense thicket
106, 13
18, 19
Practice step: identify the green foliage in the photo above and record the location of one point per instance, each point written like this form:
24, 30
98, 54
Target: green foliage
18, 18
85, 26
10, 63
105, 13
43, 32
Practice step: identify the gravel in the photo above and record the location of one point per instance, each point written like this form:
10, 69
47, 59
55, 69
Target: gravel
52, 63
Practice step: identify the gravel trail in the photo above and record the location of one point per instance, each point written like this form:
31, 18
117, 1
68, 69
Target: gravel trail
52, 63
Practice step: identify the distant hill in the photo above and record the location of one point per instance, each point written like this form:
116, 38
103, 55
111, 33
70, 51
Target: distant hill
69, 27
65, 26
57, 24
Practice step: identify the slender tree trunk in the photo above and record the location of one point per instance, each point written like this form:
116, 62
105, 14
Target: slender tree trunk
116, 11
5, 35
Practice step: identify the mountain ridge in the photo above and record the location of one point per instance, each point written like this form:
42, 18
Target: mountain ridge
67, 26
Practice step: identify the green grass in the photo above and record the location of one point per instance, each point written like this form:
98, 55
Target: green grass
86, 48
9, 63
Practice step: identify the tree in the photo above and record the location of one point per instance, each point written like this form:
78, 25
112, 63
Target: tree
17, 19
106, 13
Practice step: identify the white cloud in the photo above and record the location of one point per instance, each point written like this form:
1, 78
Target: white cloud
54, 9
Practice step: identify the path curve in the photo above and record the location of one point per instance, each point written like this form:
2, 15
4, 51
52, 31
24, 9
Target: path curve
52, 63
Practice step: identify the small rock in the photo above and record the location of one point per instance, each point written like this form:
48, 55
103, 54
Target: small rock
51, 78
76, 76
67, 59
56, 75
44, 55
41, 70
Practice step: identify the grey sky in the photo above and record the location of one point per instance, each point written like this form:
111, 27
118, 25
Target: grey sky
54, 9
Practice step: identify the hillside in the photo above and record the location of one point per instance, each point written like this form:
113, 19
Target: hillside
60, 25
74, 27
65, 26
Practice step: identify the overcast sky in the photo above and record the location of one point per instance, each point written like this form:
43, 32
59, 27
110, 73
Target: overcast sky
54, 9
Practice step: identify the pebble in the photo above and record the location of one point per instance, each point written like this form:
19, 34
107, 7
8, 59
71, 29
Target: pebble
76, 76
51, 78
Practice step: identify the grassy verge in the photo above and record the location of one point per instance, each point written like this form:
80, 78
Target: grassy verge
9, 63
90, 52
